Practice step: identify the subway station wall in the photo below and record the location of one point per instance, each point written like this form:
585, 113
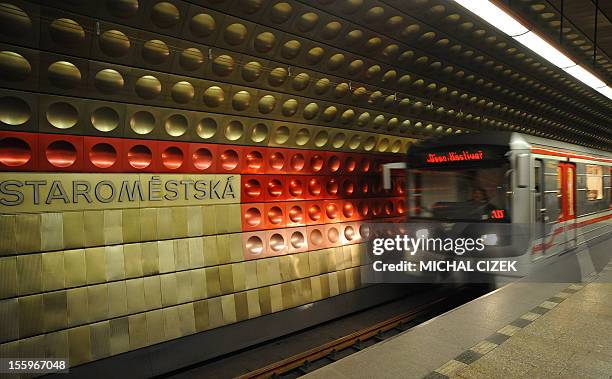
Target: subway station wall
169, 167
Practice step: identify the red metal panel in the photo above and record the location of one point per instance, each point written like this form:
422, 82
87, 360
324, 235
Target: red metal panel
254, 159
332, 211
59, 152
296, 213
316, 237
276, 242
277, 161
203, 157
332, 234
173, 156
297, 161
332, 187
275, 215
314, 187
253, 188
314, 213
349, 210
140, 156
253, 216
333, 163
297, 240
103, 154
254, 245
19, 151
316, 162
230, 159
276, 188
296, 187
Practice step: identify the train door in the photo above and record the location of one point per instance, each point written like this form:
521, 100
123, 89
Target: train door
539, 210
567, 190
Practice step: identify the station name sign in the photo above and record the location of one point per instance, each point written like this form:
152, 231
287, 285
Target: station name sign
44, 192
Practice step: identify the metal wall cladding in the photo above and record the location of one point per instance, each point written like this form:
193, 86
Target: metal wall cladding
146, 86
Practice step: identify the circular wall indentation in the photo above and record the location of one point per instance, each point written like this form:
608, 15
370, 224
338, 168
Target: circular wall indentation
61, 154
275, 188
252, 188
339, 140
254, 245
297, 240
302, 137
291, 49
277, 76
66, 32
229, 160
281, 12
155, 51
296, 188
259, 132
348, 210
202, 158
332, 186
296, 214
235, 34
64, 75
349, 233
266, 104
354, 142
369, 143
109, 81
172, 158
176, 125
363, 209
14, 152
14, 22
333, 235
202, 25
105, 119
297, 162
165, 15
264, 42
307, 22
206, 128
14, 111
234, 130
314, 187
223, 65
281, 135
254, 161
321, 139
214, 96
142, 122
334, 163
62, 115
314, 55
103, 155
316, 162
316, 237
13, 66
350, 164
289, 107
139, 156
148, 87
331, 30
241, 100
301, 81
275, 215
191, 59
183, 92
277, 243
123, 8
251, 71
114, 43
314, 212
348, 188
252, 217
276, 161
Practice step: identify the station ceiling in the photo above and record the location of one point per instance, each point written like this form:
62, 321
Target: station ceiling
472, 68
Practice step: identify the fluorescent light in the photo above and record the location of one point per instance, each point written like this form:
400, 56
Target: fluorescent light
606, 91
584, 76
494, 16
536, 44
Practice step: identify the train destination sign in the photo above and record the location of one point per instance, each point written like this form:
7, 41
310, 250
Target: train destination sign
455, 156
43, 192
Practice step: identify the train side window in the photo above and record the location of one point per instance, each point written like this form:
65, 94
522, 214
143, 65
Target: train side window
594, 182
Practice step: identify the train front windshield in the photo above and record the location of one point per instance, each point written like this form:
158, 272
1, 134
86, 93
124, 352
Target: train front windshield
461, 194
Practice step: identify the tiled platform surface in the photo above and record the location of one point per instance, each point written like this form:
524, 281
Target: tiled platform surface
523, 330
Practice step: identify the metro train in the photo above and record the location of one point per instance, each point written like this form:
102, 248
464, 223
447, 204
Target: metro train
548, 196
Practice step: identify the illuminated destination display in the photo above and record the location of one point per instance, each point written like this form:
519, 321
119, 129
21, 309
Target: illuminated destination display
455, 156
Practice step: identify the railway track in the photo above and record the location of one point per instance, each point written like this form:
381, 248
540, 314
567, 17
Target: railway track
330, 352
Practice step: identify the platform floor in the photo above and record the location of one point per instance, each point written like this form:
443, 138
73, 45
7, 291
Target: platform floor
523, 330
